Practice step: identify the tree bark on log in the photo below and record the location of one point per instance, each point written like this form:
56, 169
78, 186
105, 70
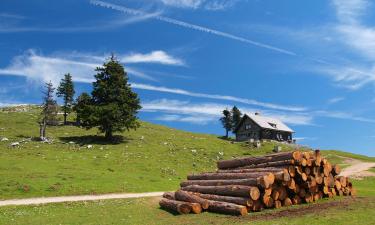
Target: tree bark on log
252, 170
228, 176
235, 200
175, 206
281, 163
169, 195
233, 163
228, 190
186, 197
227, 208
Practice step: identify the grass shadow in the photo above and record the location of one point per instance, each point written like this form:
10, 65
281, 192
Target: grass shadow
95, 139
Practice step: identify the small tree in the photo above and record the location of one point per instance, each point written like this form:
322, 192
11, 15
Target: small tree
49, 110
82, 107
236, 117
114, 105
226, 121
66, 90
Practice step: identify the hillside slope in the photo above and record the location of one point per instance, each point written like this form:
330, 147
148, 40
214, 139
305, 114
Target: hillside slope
153, 158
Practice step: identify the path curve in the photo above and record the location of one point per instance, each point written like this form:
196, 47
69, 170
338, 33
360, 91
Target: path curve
46, 200
356, 168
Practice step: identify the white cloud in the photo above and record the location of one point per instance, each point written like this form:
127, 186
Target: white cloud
212, 5
194, 119
192, 26
92, 26
218, 97
335, 100
209, 112
152, 57
45, 68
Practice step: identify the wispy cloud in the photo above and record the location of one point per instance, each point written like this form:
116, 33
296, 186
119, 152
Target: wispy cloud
93, 26
218, 97
160, 57
38, 67
335, 100
11, 16
213, 5
212, 111
191, 26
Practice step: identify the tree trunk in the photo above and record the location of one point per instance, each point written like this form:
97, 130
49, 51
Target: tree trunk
175, 206
227, 208
65, 116
233, 163
227, 133
226, 176
235, 200
186, 197
263, 182
228, 190
108, 134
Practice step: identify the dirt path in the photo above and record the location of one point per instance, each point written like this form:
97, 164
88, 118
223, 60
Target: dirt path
357, 169
45, 200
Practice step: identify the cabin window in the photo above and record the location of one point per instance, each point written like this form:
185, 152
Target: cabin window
247, 127
272, 125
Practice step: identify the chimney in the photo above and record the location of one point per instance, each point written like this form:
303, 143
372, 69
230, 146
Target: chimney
257, 113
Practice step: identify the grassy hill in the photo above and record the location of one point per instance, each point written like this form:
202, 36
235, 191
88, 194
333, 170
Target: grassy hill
153, 158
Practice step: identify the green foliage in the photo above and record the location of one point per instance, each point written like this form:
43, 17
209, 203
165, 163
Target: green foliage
236, 117
226, 121
114, 105
82, 107
66, 91
49, 110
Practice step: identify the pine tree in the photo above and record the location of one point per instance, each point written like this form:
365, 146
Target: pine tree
114, 105
236, 117
66, 90
226, 121
82, 107
49, 110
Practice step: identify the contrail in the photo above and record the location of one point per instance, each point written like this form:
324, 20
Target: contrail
190, 26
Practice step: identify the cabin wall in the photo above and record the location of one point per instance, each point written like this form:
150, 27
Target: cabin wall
248, 130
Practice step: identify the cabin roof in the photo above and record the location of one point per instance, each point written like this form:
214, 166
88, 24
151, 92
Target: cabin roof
265, 123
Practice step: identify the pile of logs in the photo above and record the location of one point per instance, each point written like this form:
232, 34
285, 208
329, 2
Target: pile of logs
255, 183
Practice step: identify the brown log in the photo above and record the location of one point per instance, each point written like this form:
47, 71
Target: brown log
318, 179
281, 163
336, 170
268, 201
287, 202
267, 191
257, 206
252, 170
283, 193
299, 170
296, 200
307, 170
187, 197
282, 175
246, 182
235, 200
233, 163
292, 171
169, 195
228, 176
275, 193
308, 198
175, 206
228, 190
278, 204
227, 208
302, 193
337, 184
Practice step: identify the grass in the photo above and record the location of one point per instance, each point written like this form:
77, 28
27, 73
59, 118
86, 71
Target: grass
153, 158
146, 211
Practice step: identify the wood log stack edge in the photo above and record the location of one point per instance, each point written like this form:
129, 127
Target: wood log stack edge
255, 183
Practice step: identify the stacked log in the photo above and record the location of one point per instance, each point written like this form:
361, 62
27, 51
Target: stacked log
255, 183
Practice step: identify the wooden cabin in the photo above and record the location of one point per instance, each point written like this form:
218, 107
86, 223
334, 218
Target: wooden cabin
259, 127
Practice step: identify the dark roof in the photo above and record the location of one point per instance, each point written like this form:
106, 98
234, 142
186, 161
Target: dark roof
265, 122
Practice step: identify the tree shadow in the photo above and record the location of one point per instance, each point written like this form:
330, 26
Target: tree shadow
95, 139
226, 138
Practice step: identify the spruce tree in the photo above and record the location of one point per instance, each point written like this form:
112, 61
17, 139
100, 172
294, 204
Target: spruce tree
49, 110
114, 105
226, 121
236, 117
66, 90
82, 107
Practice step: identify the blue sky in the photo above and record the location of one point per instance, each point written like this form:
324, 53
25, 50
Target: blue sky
308, 63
